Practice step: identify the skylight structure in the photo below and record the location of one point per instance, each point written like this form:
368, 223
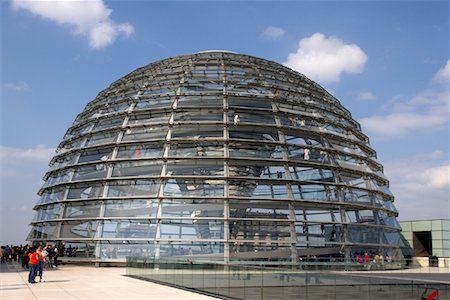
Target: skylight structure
218, 155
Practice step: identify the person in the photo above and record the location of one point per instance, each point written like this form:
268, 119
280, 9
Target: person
376, 260
50, 255
381, 260
41, 264
55, 256
33, 263
236, 119
306, 154
359, 258
367, 259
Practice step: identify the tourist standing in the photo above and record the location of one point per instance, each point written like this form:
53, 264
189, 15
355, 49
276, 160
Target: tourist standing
41, 264
33, 264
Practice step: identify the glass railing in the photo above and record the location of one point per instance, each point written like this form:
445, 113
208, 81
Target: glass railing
306, 281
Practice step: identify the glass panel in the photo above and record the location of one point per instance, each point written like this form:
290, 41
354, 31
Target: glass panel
109, 123
95, 155
117, 249
203, 131
307, 154
131, 208
154, 103
255, 169
180, 248
137, 168
196, 149
85, 191
199, 115
242, 116
191, 229
245, 209
191, 208
78, 131
391, 238
300, 139
145, 133
129, 229
90, 172
49, 212
274, 191
47, 232
51, 195
149, 117
63, 161
315, 192
60, 177
141, 151
388, 221
199, 101
79, 229
361, 234
355, 195
87, 210
248, 102
251, 188
133, 188
298, 121
188, 187
101, 138
361, 216
305, 173
71, 145
262, 134
243, 149
195, 167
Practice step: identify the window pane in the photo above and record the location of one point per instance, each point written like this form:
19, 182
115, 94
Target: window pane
133, 188
137, 168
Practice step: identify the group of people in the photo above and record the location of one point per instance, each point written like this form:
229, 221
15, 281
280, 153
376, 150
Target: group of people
378, 260
32, 258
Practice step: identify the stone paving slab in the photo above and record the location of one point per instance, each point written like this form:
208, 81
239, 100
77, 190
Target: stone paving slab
84, 282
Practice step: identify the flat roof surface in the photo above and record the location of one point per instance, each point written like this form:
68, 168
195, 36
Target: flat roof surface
84, 282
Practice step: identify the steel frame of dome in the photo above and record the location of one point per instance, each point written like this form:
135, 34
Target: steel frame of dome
216, 154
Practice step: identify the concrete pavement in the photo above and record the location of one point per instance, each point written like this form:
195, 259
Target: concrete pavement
84, 282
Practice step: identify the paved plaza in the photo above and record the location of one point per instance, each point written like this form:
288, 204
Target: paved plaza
82, 282
88, 282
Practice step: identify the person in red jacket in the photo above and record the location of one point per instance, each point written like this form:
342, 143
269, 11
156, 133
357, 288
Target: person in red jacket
33, 264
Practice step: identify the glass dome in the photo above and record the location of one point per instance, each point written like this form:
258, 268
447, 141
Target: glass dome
217, 155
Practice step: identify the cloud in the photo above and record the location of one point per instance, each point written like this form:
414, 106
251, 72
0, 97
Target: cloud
443, 75
427, 111
365, 96
11, 155
21, 170
19, 86
421, 185
273, 32
86, 18
324, 58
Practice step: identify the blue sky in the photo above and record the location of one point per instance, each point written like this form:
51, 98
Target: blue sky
387, 62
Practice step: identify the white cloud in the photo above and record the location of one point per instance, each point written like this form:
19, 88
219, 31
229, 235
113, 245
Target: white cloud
86, 18
427, 111
421, 185
19, 86
9, 155
324, 58
443, 75
365, 96
273, 32
21, 171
